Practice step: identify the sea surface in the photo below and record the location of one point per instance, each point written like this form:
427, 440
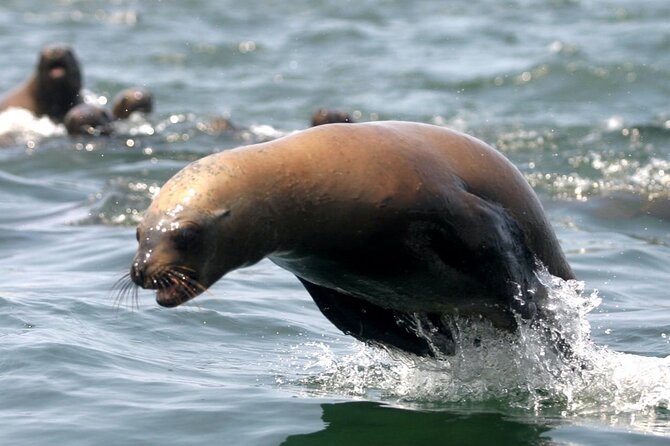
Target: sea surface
575, 92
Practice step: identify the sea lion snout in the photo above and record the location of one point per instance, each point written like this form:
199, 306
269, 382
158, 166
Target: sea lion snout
159, 265
138, 274
145, 270
173, 286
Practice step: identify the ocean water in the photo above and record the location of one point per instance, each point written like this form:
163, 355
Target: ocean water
575, 93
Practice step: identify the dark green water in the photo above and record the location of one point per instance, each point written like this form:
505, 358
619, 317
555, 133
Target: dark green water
575, 93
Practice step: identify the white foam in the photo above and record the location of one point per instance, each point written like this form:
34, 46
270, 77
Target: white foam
23, 125
259, 133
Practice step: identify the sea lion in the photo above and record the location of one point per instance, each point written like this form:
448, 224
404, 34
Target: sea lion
132, 100
88, 119
53, 89
329, 116
388, 225
219, 125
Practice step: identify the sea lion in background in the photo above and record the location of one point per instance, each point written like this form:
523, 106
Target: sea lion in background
388, 225
53, 89
95, 120
88, 119
219, 125
329, 116
132, 100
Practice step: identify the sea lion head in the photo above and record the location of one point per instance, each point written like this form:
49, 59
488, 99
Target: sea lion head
132, 100
187, 238
88, 119
59, 80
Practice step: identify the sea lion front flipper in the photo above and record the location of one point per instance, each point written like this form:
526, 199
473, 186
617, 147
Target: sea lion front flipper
420, 334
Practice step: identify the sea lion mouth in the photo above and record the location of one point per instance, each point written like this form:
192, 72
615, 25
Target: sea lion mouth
57, 70
176, 287
57, 73
171, 296
59, 64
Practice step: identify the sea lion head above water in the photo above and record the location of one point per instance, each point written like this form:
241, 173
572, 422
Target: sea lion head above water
58, 81
88, 119
183, 238
132, 100
53, 89
385, 224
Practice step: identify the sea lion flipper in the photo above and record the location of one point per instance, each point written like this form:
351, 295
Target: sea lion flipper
495, 252
373, 324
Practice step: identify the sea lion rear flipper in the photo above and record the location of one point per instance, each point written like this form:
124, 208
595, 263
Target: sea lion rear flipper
373, 324
482, 239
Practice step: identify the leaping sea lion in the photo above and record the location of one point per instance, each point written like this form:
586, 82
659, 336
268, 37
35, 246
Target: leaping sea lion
53, 89
388, 225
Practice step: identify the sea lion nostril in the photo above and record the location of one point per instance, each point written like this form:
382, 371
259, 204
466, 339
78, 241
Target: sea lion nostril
137, 274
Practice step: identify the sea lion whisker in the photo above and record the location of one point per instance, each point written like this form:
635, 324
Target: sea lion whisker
163, 281
180, 285
134, 295
196, 286
183, 269
121, 282
121, 288
175, 281
185, 274
133, 291
187, 284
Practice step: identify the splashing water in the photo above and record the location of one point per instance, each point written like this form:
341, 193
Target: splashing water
521, 370
21, 126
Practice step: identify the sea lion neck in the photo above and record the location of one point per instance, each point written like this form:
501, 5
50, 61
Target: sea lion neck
56, 102
282, 192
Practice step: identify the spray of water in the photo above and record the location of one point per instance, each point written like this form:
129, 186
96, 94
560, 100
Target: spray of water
524, 370
18, 125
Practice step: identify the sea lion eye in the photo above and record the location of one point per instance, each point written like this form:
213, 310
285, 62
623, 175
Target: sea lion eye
137, 234
185, 237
